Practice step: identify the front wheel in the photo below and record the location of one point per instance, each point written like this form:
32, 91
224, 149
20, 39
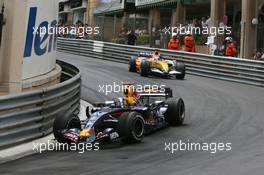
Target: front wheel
87, 112
180, 67
131, 127
132, 64
65, 121
145, 68
175, 113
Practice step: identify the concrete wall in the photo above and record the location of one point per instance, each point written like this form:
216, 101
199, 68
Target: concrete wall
12, 47
25, 54
92, 4
248, 30
108, 28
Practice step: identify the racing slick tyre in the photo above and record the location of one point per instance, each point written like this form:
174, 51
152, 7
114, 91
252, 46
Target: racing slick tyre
180, 67
175, 113
131, 127
145, 68
132, 64
65, 121
87, 112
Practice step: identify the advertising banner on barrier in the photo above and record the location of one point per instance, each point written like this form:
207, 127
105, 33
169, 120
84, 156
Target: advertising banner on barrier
28, 41
40, 37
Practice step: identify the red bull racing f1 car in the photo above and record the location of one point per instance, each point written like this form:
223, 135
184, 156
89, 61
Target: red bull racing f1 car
125, 119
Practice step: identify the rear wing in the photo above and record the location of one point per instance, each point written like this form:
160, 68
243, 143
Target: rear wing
167, 93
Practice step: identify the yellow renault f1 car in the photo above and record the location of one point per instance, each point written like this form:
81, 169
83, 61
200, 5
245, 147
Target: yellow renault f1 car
153, 64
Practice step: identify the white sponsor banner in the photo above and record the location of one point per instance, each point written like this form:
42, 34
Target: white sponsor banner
98, 46
39, 55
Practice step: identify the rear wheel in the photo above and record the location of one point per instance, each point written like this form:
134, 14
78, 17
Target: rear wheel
175, 113
145, 68
180, 67
131, 127
62, 122
132, 64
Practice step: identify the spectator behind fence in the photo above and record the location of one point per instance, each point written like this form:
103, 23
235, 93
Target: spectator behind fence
189, 43
174, 43
230, 50
131, 38
259, 56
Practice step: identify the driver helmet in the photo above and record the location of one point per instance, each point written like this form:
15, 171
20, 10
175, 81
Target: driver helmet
130, 96
156, 54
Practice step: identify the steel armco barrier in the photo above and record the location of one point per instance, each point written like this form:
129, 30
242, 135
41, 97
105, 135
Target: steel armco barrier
30, 115
224, 68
